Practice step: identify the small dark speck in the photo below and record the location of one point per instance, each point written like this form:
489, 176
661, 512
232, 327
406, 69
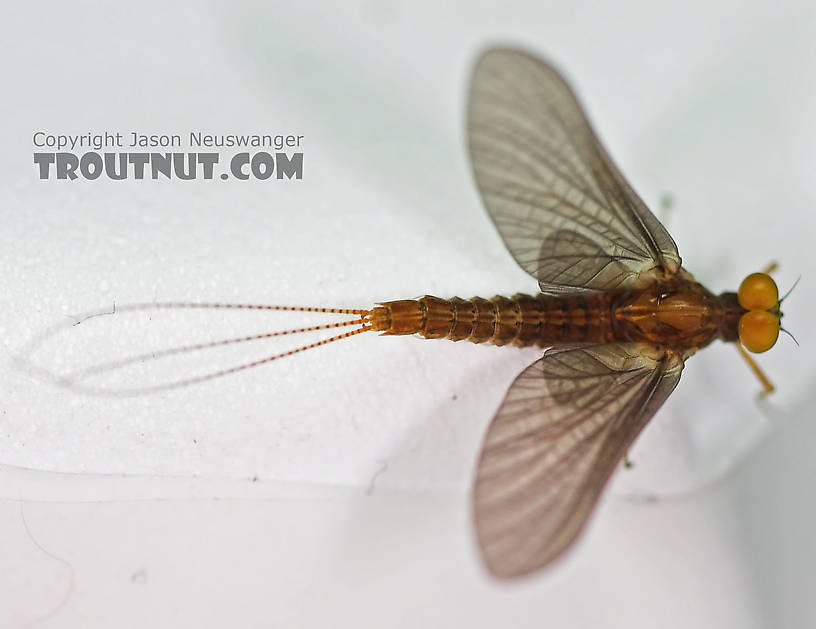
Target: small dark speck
454, 397
195, 440
140, 576
254, 479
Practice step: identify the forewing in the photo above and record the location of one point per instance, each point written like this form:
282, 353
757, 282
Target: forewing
565, 423
563, 209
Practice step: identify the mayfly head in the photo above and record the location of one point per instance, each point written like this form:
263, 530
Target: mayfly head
759, 327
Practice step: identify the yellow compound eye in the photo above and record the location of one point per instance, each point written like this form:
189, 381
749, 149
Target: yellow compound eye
758, 330
758, 292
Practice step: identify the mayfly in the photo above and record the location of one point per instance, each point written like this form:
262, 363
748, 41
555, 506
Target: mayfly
617, 312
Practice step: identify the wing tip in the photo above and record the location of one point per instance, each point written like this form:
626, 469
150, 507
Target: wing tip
499, 49
504, 566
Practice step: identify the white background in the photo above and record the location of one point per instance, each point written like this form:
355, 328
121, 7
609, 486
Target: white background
330, 489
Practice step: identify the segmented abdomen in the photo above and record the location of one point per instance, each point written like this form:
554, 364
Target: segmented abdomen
520, 320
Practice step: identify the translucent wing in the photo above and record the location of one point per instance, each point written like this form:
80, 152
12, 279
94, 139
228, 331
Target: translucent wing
566, 422
565, 212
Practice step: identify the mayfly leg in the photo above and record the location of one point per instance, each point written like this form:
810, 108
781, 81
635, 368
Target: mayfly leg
767, 385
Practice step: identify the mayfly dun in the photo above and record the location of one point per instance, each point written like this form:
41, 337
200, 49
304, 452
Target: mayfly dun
617, 313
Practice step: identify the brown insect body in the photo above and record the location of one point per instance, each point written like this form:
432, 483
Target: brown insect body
677, 314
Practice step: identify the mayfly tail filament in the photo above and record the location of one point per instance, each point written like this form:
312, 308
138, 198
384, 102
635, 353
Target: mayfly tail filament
75, 380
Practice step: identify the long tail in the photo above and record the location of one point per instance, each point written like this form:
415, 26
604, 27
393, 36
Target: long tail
77, 379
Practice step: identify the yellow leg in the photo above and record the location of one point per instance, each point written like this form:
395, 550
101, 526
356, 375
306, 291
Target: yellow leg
771, 268
767, 386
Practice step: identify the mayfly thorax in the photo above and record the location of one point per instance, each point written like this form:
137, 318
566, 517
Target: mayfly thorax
617, 312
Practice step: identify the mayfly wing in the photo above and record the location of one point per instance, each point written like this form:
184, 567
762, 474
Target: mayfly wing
564, 425
563, 209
